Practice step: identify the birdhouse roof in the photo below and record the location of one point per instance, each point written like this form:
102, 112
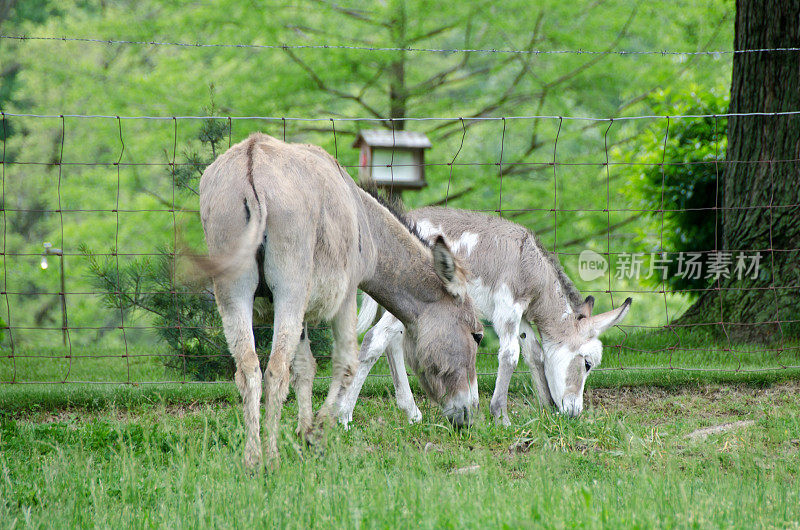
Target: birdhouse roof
387, 138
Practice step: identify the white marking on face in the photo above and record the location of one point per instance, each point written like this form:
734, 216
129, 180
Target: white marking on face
458, 408
572, 405
473, 390
466, 242
592, 351
557, 360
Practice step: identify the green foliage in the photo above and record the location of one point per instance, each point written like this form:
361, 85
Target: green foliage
57, 77
187, 321
13, 14
681, 193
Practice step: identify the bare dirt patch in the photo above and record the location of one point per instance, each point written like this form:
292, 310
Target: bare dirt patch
707, 401
466, 470
703, 433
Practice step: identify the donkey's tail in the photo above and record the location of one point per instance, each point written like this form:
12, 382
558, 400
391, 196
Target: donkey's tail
366, 316
241, 254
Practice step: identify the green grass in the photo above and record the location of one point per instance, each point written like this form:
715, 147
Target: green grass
170, 454
626, 462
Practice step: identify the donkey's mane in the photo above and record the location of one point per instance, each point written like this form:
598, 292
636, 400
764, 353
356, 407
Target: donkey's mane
395, 205
567, 287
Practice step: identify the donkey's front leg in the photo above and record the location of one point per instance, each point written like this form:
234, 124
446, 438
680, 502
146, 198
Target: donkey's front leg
376, 341
372, 348
533, 356
344, 359
402, 389
507, 329
304, 367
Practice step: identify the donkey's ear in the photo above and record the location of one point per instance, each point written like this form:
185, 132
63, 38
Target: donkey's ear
587, 306
446, 269
603, 321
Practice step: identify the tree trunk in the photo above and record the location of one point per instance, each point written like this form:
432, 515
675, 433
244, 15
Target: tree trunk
398, 92
761, 180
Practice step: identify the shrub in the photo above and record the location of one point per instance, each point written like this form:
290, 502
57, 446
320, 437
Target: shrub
689, 182
187, 321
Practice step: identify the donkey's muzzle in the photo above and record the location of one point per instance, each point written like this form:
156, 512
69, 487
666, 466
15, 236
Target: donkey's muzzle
572, 406
459, 416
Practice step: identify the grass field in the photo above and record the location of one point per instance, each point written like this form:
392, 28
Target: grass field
171, 454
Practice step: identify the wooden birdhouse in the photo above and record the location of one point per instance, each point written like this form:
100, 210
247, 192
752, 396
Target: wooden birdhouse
392, 159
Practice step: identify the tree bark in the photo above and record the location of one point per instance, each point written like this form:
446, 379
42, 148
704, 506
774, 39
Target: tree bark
761, 180
398, 92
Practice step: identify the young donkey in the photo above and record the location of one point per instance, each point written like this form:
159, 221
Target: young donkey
514, 281
285, 221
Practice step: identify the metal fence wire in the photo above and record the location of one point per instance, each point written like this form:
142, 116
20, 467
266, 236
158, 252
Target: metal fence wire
97, 208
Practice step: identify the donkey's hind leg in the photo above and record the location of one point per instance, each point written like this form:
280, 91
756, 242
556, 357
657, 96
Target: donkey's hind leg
289, 312
235, 303
304, 367
344, 360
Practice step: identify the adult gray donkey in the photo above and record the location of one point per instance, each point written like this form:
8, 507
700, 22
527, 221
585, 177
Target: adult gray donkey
286, 222
514, 281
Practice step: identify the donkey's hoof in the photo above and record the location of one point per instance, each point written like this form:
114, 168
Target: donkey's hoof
302, 432
315, 437
273, 460
314, 446
500, 412
502, 419
344, 419
415, 416
253, 463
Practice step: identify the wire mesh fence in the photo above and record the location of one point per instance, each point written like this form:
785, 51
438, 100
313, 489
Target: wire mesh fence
122, 214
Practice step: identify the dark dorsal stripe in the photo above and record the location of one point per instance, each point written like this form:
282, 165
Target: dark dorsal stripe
251, 143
